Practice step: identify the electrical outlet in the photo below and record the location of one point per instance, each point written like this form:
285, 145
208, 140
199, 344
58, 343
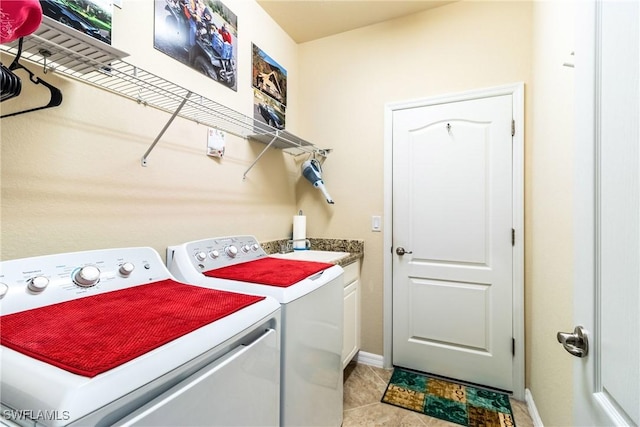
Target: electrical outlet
376, 223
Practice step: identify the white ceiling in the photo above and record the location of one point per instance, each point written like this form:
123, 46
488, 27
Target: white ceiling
306, 20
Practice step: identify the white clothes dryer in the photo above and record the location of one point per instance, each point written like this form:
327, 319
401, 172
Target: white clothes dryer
311, 298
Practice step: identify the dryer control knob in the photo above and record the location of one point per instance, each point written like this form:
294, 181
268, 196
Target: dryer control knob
255, 247
126, 269
4, 288
38, 284
214, 254
246, 248
232, 251
201, 256
87, 276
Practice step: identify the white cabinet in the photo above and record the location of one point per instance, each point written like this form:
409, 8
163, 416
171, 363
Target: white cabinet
351, 337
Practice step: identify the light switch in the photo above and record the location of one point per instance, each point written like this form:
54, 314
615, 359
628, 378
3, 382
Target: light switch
376, 223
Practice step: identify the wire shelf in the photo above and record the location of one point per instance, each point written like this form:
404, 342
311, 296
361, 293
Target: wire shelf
102, 67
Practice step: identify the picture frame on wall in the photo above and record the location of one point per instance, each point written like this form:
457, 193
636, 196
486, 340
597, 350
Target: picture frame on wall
90, 17
269, 82
202, 34
268, 111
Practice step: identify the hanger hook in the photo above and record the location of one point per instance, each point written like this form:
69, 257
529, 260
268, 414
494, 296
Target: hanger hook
15, 63
45, 54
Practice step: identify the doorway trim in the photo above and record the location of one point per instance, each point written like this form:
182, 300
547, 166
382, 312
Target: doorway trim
516, 90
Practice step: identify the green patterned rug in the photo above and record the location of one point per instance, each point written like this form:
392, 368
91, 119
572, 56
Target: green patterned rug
458, 403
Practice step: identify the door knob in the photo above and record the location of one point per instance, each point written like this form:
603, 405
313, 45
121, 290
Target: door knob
575, 343
400, 251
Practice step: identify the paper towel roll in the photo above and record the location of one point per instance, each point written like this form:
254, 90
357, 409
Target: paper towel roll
299, 232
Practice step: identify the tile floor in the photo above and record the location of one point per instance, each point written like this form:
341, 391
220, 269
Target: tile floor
364, 386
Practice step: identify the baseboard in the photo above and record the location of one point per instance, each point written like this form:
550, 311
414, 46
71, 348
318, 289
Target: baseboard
370, 359
533, 411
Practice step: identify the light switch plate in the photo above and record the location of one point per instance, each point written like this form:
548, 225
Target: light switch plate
376, 223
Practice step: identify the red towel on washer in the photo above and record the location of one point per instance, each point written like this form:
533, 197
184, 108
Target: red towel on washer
270, 271
91, 335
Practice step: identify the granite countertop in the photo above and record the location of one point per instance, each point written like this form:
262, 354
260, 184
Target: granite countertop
355, 247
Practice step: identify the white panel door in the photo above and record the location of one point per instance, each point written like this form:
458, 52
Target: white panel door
452, 215
607, 210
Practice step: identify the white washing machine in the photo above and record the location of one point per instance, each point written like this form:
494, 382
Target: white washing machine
311, 299
108, 337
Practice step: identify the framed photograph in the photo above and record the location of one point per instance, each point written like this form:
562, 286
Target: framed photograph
268, 76
269, 81
90, 17
266, 110
202, 34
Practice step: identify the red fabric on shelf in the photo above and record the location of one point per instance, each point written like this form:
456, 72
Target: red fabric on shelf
91, 335
270, 271
19, 18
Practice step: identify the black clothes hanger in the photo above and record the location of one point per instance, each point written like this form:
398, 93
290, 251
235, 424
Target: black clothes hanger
56, 95
10, 84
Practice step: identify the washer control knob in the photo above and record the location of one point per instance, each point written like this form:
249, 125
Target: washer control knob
255, 247
201, 256
87, 276
232, 251
4, 288
246, 248
126, 269
214, 254
38, 284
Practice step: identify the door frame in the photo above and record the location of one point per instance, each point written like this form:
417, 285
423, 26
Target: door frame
516, 90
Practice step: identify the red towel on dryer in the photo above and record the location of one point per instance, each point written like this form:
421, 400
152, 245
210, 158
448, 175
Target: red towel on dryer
91, 335
270, 271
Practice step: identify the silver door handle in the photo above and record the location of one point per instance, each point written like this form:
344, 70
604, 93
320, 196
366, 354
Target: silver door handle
400, 251
575, 343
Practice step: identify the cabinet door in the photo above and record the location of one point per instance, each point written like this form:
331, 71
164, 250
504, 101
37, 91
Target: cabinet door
351, 337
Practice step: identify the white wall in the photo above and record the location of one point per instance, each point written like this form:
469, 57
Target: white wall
346, 81
71, 175
549, 220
